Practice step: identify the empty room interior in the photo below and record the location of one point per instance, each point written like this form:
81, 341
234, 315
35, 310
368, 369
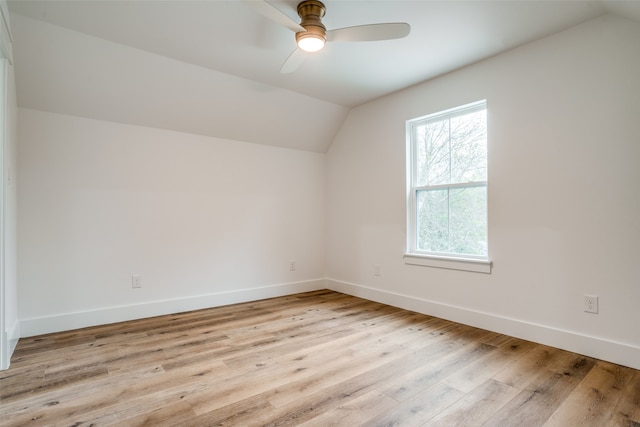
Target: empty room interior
433, 219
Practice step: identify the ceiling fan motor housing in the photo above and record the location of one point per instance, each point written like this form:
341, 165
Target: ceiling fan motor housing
311, 13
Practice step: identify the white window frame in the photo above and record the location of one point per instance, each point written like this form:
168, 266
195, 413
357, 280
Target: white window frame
413, 256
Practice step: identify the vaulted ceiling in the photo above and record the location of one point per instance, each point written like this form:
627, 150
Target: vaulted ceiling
212, 67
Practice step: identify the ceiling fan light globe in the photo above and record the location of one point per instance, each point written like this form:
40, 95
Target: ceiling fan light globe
311, 43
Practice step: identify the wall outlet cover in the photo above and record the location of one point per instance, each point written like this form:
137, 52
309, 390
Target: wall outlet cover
591, 304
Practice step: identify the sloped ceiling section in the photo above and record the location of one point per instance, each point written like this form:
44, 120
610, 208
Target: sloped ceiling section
63, 71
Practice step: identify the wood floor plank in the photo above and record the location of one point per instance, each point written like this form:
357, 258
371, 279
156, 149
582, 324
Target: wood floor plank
524, 370
483, 368
475, 407
627, 410
281, 389
446, 358
534, 405
336, 374
309, 405
358, 411
419, 408
263, 377
55, 406
144, 409
601, 388
249, 412
171, 415
320, 358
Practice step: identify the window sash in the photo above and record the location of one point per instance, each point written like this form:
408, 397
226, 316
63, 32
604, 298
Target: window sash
415, 231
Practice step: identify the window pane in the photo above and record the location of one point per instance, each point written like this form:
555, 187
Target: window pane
452, 221
432, 153
469, 147
432, 221
468, 221
452, 150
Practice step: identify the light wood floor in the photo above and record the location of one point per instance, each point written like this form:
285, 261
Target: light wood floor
315, 359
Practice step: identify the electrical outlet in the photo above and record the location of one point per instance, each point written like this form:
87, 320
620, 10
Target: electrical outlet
292, 265
376, 270
136, 281
591, 304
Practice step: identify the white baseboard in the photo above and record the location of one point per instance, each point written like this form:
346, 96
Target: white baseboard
13, 336
70, 321
598, 347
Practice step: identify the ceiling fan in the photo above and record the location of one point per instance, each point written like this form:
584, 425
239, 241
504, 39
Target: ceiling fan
311, 34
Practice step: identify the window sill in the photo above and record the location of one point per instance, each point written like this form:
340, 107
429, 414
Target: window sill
452, 263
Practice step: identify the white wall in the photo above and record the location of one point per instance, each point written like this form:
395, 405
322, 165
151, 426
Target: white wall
564, 194
204, 221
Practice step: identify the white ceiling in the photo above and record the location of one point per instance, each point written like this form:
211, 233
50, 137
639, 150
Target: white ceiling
231, 39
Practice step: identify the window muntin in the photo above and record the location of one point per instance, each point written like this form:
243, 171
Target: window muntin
447, 201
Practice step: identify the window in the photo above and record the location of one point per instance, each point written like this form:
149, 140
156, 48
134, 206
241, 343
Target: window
447, 189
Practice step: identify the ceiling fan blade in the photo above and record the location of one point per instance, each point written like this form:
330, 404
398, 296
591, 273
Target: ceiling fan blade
294, 61
370, 32
268, 10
